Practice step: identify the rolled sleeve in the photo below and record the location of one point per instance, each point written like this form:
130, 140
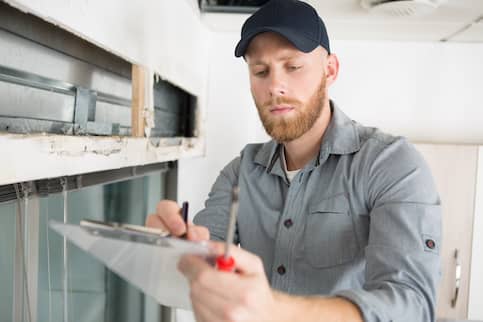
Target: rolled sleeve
402, 255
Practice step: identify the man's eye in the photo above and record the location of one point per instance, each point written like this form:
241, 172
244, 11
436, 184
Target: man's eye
293, 67
261, 73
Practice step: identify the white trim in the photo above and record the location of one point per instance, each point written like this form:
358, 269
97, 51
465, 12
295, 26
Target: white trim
32, 157
475, 303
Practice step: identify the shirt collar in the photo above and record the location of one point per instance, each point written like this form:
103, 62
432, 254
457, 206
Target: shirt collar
341, 137
269, 157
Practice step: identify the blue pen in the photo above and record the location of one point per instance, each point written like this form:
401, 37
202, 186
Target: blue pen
184, 214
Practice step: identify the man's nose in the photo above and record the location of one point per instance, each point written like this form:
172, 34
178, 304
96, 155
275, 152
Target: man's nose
277, 86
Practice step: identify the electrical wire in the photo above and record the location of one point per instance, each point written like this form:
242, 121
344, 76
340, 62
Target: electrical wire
49, 280
65, 263
20, 240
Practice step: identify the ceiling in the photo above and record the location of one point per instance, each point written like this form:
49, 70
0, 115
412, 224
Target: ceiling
453, 20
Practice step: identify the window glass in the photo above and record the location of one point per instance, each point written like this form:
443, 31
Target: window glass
94, 293
7, 256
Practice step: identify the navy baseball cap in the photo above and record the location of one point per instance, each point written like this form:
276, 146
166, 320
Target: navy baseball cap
295, 20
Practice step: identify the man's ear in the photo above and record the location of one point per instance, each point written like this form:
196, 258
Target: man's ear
332, 69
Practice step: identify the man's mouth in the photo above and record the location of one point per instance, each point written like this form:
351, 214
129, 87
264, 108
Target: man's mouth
280, 109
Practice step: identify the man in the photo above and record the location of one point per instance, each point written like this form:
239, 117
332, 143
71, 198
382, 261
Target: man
337, 221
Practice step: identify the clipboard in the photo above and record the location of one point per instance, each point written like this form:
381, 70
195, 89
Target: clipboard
144, 257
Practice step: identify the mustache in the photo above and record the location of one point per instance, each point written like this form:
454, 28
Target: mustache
282, 100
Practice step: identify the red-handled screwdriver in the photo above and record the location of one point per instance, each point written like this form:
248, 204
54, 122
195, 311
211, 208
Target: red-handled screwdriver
226, 262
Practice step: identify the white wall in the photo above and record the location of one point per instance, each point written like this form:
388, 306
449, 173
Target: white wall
475, 307
425, 91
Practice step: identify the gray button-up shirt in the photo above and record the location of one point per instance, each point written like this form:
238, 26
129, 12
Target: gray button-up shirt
361, 221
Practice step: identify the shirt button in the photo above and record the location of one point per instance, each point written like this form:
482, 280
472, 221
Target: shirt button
288, 223
281, 269
430, 243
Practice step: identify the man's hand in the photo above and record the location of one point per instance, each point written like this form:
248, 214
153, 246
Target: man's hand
221, 296
168, 217
245, 296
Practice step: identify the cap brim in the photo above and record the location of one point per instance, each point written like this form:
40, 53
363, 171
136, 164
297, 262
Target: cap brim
300, 41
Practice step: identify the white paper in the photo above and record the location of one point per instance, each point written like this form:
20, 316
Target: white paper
151, 268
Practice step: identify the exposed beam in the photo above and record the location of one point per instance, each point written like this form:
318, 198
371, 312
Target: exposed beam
138, 100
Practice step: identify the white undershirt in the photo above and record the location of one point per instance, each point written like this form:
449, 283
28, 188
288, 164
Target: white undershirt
290, 174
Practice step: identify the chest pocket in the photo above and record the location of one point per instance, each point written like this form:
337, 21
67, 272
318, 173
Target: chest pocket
329, 236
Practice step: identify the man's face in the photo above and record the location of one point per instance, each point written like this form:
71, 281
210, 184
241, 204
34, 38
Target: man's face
287, 85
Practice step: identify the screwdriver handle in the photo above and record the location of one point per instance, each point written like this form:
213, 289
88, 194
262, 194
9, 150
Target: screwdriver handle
225, 264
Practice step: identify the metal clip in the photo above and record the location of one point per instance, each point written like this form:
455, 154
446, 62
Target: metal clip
457, 278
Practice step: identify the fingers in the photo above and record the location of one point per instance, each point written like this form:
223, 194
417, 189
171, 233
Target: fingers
245, 262
203, 313
169, 214
206, 282
168, 217
198, 233
154, 221
222, 296
191, 266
